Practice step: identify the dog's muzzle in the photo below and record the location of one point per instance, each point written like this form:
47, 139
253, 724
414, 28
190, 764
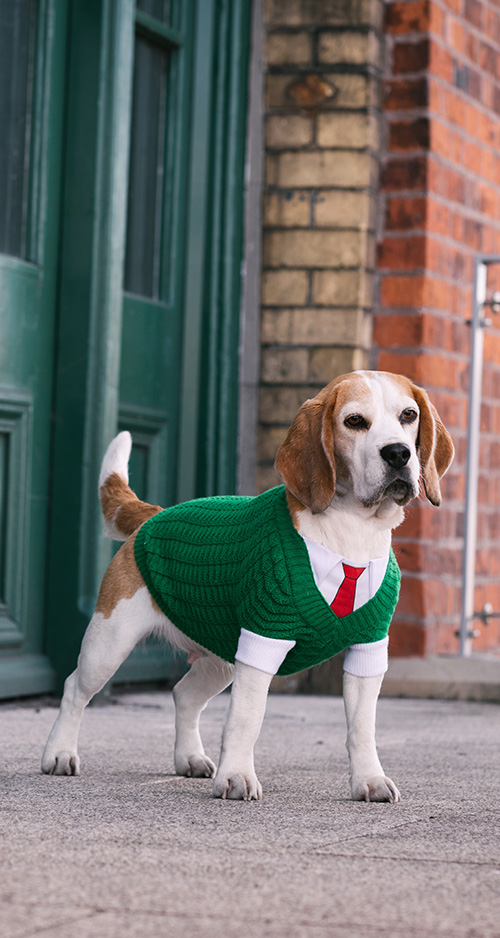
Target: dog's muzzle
396, 455
400, 490
400, 487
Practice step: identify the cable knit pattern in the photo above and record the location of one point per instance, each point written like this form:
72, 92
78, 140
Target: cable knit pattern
216, 565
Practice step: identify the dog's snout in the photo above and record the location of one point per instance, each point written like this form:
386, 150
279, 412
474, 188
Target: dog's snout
395, 455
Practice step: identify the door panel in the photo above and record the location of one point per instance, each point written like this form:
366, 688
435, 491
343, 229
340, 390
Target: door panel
30, 169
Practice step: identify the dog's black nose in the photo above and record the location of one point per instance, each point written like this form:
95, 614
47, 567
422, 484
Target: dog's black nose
395, 454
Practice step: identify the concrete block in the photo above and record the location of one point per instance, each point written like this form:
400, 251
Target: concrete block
444, 677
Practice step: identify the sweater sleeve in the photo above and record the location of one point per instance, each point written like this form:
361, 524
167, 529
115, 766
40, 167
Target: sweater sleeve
367, 659
266, 654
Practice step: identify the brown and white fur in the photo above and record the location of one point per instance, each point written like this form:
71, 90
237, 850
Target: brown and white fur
353, 457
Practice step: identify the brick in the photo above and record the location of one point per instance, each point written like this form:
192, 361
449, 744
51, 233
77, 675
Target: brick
400, 95
326, 363
412, 597
285, 48
270, 439
474, 12
271, 169
349, 47
404, 173
338, 209
284, 287
313, 248
311, 91
326, 168
442, 63
275, 326
398, 331
342, 288
322, 12
280, 366
409, 135
411, 56
266, 478
279, 404
293, 130
287, 208
437, 294
403, 17
407, 639
354, 91
402, 291
403, 213
318, 326
340, 130
410, 556
402, 252
350, 91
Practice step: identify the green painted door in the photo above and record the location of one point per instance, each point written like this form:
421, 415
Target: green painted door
179, 355
122, 145
32, 44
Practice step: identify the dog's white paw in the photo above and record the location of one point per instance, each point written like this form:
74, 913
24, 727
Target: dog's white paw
197, 765
376, 788
237, 786
61, 763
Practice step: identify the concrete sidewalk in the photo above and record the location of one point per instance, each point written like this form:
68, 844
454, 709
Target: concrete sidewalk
128, 849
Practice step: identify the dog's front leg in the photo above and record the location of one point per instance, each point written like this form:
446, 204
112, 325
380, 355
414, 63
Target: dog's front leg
236, 776
368, 782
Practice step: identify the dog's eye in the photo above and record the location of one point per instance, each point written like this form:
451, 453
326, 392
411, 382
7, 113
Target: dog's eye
409, 415
356, 422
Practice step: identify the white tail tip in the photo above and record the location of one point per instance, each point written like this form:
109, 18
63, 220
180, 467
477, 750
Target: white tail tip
116, 458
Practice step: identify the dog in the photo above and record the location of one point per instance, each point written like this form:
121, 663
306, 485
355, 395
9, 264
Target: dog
354, 456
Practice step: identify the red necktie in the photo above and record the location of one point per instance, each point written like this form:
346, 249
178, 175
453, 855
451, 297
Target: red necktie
343, 603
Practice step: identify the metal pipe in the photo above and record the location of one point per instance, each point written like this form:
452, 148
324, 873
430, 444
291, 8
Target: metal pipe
472, 460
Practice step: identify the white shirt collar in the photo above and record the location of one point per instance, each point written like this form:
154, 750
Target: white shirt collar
328, 573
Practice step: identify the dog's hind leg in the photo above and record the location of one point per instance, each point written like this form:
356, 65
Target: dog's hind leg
208, 676
106, 644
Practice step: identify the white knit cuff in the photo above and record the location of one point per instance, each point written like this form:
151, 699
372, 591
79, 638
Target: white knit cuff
367, 659
267, 654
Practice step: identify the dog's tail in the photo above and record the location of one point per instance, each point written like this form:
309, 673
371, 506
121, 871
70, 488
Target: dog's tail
123, 512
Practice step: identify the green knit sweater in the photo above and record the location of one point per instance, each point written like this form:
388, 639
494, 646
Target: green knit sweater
217, 565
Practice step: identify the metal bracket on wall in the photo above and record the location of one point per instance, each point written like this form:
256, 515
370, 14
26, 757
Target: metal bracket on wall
478, 324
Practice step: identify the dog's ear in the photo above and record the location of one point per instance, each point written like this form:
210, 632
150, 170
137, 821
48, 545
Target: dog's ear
435, 446
305, 460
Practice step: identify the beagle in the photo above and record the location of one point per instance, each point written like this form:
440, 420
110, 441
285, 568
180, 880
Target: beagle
249, 587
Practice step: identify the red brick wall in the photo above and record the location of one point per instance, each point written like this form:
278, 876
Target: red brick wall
439, 206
